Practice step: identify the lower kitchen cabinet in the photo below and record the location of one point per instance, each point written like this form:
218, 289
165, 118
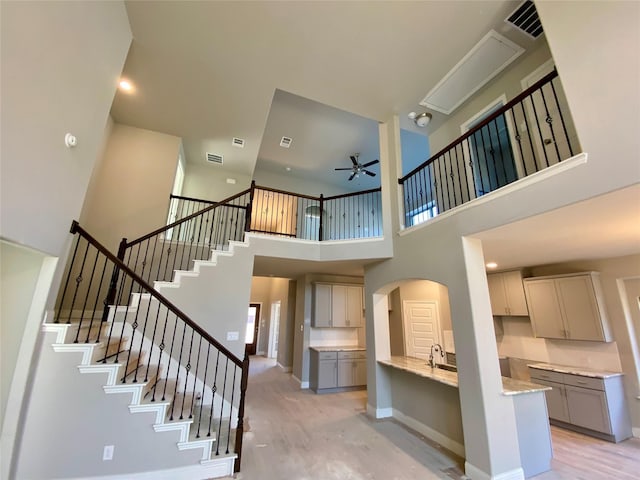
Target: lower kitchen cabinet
352, 369
591, 405
337, 369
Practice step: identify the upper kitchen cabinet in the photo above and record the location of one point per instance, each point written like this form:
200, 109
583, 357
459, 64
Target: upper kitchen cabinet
507, 294
568, 307
337, 305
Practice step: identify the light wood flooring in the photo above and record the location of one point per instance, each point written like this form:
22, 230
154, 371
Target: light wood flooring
293, 434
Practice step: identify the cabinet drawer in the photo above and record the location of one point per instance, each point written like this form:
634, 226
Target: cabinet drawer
585, 382
546, 375
349, 355
327, 355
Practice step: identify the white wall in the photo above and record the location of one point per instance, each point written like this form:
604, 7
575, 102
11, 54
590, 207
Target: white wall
209, 182
294, 184
71, 446
44, 96
260, 293
19, 271
129, 194
60, 64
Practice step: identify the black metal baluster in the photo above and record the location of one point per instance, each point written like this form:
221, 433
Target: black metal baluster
195, 375
161, 347
531, 143
204, 384
153, 344
549, 121
173, 341
518, 139
175, 390
95, 302
214, 389
564, 126
224, 389
86, 298
535, 115
233, 391
187, 368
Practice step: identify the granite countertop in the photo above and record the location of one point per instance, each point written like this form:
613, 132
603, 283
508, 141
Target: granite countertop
419, 367
575, 370
348, 348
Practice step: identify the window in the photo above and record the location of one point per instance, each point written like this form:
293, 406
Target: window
422, 214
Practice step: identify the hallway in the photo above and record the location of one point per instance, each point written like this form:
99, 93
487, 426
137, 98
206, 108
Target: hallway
293, 434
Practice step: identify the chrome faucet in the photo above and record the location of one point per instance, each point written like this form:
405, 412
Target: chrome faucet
438, 348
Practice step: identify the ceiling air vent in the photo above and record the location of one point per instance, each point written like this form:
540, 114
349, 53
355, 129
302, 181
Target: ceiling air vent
525, 18
214, 158
237, 142
286, 142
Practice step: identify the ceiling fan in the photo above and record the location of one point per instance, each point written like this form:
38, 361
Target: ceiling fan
357, 168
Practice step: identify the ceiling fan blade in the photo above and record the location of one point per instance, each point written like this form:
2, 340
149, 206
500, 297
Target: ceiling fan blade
346, 168
354, 160
352, 175
371, 174
373, 162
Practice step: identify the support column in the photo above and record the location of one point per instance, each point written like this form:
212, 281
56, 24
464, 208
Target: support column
488, 417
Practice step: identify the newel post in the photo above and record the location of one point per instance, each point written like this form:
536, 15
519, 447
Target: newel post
321, 217
247, 220
113, 284
240, 428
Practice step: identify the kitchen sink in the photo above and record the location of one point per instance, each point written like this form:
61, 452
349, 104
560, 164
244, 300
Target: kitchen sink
449, 368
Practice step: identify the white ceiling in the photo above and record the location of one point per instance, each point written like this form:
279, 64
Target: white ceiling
601, 227
211, 71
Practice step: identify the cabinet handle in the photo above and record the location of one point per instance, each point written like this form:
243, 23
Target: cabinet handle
581, 382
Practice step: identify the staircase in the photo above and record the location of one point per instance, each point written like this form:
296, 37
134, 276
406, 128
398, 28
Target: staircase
189, 385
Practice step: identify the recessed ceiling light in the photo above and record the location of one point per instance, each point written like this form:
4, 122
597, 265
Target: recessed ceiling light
492, 265
126, 85
288, 169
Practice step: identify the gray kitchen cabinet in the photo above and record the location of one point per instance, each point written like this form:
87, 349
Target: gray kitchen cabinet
323, 370
337, 369
352, 369
590, 405
506, 293
588, 408
337, 305
567, 307
327, 374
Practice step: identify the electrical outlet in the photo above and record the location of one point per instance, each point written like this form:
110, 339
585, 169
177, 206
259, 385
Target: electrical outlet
107, 454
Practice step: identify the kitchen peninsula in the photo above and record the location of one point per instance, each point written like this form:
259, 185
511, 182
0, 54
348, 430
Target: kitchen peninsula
443, 417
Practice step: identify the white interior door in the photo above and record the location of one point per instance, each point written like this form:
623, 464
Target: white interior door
421, 327
274, 329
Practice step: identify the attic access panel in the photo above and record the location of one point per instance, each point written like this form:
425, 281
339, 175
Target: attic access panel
492, 54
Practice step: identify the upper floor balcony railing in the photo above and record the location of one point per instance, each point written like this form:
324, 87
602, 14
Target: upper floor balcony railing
197, 226
528, 134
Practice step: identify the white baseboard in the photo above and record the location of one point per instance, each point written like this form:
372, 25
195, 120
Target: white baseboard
636, 432
208, 469
431, 434
476, 474
379, 412
303, 385
283, 368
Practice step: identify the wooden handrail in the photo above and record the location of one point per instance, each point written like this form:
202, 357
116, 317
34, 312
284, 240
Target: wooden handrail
185, 219
353, 194
76, 228
544, 80
191, 199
